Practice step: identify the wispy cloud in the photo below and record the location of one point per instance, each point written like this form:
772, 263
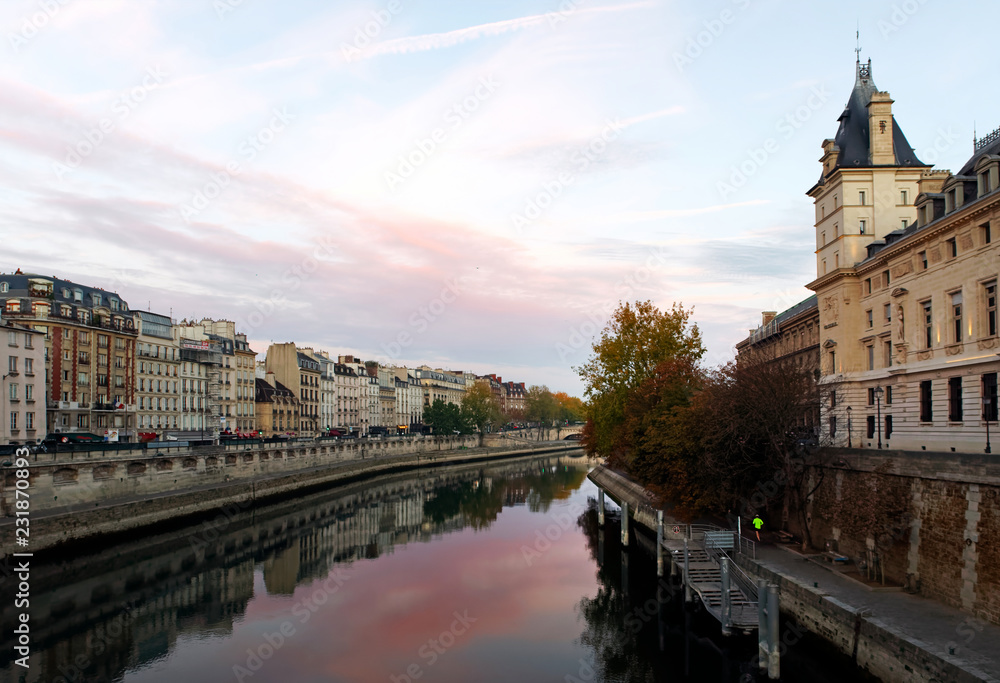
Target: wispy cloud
437, 41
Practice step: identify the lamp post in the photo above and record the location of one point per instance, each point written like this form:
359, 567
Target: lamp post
878, 408
849, 444
987, 401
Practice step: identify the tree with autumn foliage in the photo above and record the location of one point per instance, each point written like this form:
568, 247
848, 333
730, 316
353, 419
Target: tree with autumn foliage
638, 338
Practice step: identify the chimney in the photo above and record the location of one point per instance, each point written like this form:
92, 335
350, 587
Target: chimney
767, 316
880, 130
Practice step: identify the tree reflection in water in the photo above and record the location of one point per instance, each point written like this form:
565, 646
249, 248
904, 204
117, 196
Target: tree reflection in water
480, 501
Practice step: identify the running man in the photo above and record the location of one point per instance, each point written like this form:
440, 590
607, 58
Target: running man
758, 524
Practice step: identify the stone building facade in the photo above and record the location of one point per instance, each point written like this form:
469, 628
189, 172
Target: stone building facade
90, 351
906, 285
22, 391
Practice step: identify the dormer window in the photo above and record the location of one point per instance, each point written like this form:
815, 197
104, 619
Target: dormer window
96, 299
113, 303
4, 288
78, 295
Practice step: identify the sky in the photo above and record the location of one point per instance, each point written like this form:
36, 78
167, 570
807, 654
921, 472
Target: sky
473, 185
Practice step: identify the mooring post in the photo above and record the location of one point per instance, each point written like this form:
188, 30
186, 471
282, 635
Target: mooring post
727, 607
625, 524
659, 542
600, 507
773, 654
687, 585
762, 624
625, 572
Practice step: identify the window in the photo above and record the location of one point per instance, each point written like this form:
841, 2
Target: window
869, 317
951, 247
888, 426
4, 287
833, 425
871, 396
822, 238
904, 197
29, 420
12, 389
885, 278
29, 366
871, 356
923, 260
887, 354
954, 399
868, 285
833, 361
871, 426
12, 364
990, 301
985, 237
12, 338
926, 409
904, 223
862, 224
29, 392
833, 400
928, 325
887, 313
956, 315
13, 420
862, 197
989, 397
888, 396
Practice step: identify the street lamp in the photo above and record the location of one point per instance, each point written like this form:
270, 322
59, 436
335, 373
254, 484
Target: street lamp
987, 401
849, 444
878, 408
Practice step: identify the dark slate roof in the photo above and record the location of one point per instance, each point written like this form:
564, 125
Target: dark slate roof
991, 148
804, 305
852, 136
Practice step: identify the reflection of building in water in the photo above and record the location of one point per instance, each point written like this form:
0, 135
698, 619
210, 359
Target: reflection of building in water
138, 598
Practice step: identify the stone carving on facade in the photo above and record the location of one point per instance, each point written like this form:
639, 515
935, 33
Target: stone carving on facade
965, 241
990, 343
831, 307
954, 349
934, 255
901, 353
900, 324
904, 268
925, 354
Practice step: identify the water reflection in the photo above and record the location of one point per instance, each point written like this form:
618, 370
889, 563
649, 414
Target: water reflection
119, 613
474, 574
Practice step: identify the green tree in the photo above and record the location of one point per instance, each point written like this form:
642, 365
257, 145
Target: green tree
446, 418
637, 339
481, 409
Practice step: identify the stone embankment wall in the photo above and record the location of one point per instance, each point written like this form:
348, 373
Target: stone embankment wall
143, 492
944, 542
72, 478
873, 645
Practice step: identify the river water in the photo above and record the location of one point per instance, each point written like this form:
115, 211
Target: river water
458, 575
